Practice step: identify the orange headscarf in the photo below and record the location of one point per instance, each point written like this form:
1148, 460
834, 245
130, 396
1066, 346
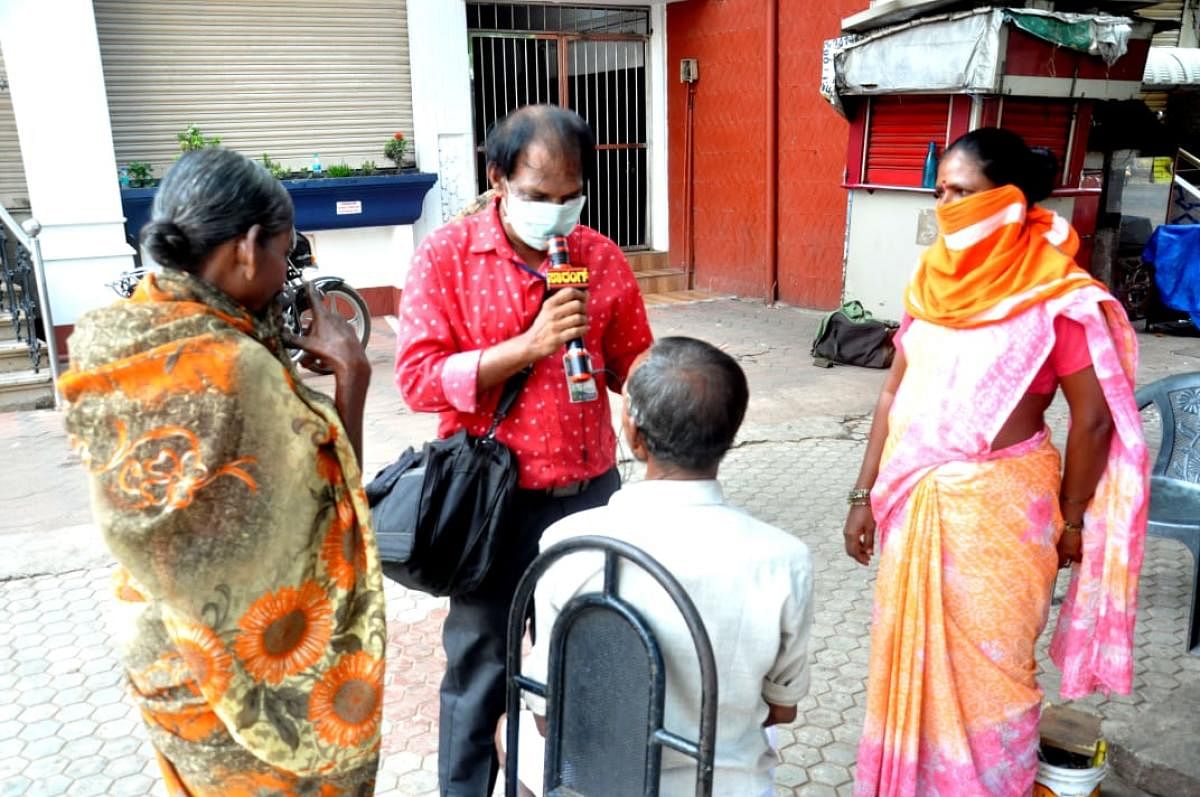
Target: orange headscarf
995, 257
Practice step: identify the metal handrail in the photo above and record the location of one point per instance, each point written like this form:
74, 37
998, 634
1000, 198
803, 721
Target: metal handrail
1187, 156
27, 236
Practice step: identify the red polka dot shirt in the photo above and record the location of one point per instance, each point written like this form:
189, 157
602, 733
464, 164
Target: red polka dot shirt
468, 290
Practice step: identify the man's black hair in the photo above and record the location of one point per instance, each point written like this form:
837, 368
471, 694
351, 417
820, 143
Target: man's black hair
561, 131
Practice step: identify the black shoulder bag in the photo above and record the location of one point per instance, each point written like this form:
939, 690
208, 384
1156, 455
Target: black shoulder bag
438, 513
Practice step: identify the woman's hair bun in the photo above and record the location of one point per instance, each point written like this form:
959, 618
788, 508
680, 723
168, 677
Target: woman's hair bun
167, 243
1039, 177
211, 196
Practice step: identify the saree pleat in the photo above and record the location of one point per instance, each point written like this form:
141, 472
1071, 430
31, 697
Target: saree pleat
962, 596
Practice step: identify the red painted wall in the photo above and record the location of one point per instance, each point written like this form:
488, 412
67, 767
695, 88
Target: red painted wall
728, 38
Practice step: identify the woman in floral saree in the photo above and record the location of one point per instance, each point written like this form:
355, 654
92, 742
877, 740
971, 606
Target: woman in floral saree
974, 508
231, 497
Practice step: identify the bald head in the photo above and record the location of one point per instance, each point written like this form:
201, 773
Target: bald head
563, 135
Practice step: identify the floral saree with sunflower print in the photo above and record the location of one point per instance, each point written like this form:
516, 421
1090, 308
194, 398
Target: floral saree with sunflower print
248, 579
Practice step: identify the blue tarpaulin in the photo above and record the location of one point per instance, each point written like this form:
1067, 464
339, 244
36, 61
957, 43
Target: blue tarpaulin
1174, 249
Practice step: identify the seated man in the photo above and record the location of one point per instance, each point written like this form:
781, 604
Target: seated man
752, 583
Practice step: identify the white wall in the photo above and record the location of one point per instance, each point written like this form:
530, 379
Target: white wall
883, 247
366, 257
439, 59
52, 56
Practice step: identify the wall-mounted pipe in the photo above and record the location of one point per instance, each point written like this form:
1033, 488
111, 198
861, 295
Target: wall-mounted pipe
689, 181
772, 151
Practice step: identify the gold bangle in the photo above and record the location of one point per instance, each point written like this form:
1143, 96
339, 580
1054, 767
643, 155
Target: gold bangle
1073, 527
1068, 500
859, 497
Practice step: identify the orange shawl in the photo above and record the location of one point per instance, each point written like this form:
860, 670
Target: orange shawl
995, 258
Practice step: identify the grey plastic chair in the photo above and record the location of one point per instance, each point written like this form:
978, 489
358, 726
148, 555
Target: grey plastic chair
606, 685
1175, 479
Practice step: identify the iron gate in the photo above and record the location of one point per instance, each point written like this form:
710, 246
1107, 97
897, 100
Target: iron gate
591, 60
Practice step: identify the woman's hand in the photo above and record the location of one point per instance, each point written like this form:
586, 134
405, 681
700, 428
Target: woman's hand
330, 338
333, 341
1070, 548
563, 317
860, 534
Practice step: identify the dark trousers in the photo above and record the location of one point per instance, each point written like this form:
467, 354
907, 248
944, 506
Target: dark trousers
473, 689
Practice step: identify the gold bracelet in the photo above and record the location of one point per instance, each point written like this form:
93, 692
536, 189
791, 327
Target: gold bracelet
1077, 528
859, 497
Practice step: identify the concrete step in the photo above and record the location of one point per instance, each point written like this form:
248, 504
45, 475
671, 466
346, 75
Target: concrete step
14, 356
681, 297
648, 260
8, 330
661, 280
25, 390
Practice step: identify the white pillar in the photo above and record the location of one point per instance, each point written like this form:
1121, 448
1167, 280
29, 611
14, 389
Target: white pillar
659, 72
439, 60
52, 56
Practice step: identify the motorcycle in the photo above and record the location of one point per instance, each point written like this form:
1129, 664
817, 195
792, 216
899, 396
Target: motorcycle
293, 301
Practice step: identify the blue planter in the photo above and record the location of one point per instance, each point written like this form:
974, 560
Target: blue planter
324, 203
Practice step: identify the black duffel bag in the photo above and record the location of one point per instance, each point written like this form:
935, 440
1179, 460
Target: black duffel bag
438, 513
851, 336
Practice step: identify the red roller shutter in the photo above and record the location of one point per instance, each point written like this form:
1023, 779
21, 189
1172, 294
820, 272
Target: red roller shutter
1042, 123
898, 136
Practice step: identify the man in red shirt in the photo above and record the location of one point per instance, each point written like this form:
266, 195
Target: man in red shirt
474, 312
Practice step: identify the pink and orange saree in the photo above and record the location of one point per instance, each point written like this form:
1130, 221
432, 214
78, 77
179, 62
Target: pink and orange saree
968, 535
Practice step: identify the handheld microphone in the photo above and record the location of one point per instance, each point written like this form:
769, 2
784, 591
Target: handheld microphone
577, 363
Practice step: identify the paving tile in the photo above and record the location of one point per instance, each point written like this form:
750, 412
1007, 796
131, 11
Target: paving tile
829, 774
52, 786
39, 730
83, 768
132, 785
41, 768
15, 786
92, 786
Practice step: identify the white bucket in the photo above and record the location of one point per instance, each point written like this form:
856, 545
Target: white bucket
1055, 781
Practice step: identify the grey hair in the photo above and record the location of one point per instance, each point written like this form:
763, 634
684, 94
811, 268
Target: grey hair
688, 399
211, 196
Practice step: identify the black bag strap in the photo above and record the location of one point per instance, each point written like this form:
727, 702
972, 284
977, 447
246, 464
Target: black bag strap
512, 389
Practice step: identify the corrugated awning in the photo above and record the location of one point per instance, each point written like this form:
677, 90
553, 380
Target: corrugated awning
1171, 67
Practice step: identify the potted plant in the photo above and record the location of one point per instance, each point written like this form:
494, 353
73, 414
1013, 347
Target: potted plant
339, 196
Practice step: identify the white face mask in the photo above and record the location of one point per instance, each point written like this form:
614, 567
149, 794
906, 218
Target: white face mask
536, 222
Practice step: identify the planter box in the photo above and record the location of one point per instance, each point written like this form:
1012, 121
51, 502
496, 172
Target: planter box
323, 203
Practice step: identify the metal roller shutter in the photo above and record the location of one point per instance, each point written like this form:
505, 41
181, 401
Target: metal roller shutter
13, 194
286, 77
1164, 12
1042, 123
898, 136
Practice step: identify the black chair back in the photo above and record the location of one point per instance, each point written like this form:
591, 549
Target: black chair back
606, 685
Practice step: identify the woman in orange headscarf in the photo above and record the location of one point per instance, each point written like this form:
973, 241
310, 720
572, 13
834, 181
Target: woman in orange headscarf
974, 509
248, 582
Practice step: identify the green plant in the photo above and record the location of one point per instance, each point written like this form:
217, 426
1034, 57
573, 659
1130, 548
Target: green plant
192, 139
368, 167
274, 167
339, 170
141, 174
396, 148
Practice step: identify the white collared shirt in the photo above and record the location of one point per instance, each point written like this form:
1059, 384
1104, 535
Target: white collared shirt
751, 583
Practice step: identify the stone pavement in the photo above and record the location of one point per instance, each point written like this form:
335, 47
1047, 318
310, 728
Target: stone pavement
66, 728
